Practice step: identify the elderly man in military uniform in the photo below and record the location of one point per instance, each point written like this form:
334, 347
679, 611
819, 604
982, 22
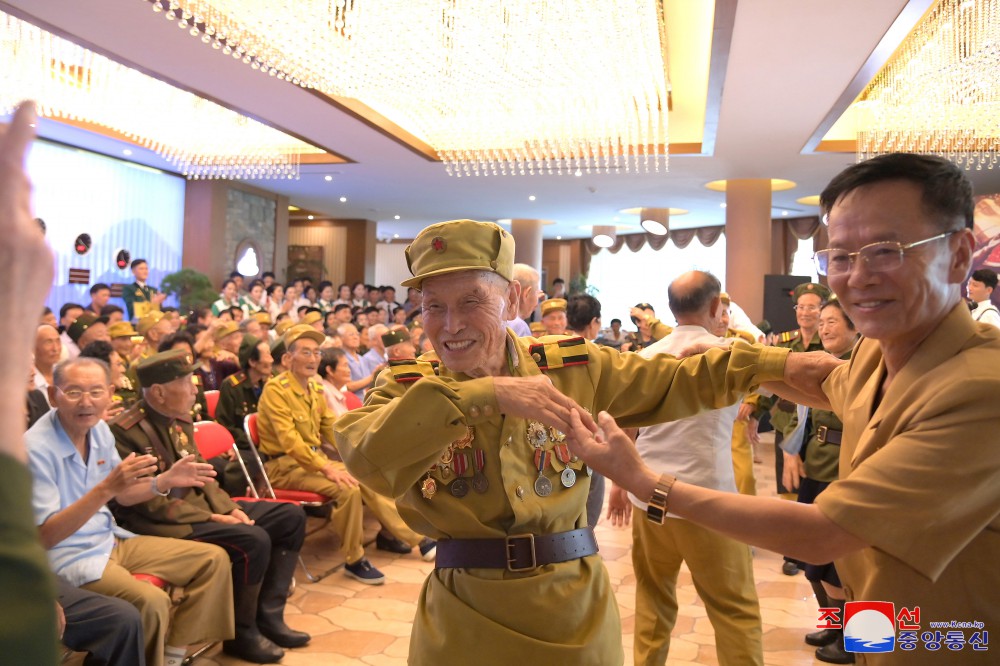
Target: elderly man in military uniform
484, 465
262, 539
554, 316
808, 299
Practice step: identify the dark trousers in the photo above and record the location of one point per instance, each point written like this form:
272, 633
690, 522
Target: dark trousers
108, 629
276, 525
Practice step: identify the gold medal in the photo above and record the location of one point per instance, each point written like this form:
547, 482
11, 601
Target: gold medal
465, 442
536, 434
428, 487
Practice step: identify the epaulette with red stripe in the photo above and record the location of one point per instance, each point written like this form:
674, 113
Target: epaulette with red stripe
129, 417
406, 370
552, 352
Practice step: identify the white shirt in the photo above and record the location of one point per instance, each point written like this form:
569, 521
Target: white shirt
987, 313
698, 449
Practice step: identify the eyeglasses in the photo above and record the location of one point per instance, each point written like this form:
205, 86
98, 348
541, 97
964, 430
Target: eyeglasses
878, 257
75, 395
310, 353
806, 308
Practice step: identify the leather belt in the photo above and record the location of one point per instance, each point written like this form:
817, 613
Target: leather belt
516, 552
828, 435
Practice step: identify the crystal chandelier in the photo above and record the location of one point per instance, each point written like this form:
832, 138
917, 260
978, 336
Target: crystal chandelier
200, 138
940, 93
495, 86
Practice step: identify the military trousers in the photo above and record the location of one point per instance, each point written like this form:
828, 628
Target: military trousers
206, 609
348, 514
722, 571
746, 484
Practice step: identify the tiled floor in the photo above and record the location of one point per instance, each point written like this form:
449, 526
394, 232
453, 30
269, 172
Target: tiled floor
353, 623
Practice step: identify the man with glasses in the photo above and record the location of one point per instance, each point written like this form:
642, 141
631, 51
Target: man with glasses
294, 420
77, 471
914, 518
807, 299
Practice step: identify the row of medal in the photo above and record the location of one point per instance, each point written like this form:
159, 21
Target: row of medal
456, 460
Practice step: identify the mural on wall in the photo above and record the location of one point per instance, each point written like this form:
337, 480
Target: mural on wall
96, 208
250, 218
305, 261
987, 232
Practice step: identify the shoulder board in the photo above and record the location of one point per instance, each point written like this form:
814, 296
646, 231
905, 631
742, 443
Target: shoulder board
316, 385
236, 379
789, 336
552, 352
409, 370
129, 417
282, 381
740, 335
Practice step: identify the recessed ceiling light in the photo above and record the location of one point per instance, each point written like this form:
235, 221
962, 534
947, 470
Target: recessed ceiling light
343, 199
784, 213
126, 152
309, 217
531, 198
397, 217
558, 237
395, 235
328, 178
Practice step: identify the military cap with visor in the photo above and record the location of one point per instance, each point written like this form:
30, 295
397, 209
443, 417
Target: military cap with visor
460, 245
165, 367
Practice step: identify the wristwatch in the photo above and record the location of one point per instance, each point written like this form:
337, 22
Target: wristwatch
656, 512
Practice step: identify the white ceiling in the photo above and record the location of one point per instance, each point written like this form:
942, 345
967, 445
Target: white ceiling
789, 64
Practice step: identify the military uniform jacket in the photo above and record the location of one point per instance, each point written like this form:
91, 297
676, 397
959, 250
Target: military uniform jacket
237, 398
170, 516
559, 613
920, 482
295, 420
137, 300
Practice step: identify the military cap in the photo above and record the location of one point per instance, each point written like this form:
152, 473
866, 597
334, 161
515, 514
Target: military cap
282, 326
394, 337
150, 320
460, 245
300, 331
278, 348
249, 343
121, 329
537, 328
226, 329
810, 288
165, 367
263, 317
82, 323
553, 305
311, 317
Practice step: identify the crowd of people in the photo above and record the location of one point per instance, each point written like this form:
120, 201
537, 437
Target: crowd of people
477, 421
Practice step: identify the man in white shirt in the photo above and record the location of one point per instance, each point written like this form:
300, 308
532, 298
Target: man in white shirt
697, 448
528, 278
980, 287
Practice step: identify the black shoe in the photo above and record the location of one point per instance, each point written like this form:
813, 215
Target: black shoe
789, 568
271, 602
254, 648
428, 549
834, 653
822, 637
363, 572
391, 544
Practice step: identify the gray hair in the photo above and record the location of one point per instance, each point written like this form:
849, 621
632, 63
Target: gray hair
59, 373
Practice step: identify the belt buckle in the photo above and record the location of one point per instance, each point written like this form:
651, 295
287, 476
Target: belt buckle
510, 545
821, 434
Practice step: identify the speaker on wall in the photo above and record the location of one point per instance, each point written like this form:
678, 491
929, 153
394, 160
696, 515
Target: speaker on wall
778, 300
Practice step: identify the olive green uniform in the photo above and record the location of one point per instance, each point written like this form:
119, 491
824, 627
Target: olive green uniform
138, 300
561, 613
238, 397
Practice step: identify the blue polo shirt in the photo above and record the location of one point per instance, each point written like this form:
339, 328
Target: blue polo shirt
60, 478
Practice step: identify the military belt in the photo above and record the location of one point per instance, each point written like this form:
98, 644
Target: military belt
827, 435
516, 552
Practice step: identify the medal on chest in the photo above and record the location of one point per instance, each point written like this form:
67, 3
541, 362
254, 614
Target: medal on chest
543, 487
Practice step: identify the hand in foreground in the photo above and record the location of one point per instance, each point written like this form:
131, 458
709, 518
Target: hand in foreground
186, 473
239, 515
536, 398
340, 476
132, 471
792, 471
607, 449
619, 506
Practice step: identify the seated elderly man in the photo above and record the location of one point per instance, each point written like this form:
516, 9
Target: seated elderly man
77, 471
469, 441
913, 520
262, 539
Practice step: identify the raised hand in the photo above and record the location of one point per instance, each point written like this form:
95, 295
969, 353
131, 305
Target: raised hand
536, 398
186, 473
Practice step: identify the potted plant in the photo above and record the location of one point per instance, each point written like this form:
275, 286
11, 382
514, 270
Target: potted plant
191, 288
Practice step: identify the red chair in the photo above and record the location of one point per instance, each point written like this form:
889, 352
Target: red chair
212, 402
303, 498
213, 439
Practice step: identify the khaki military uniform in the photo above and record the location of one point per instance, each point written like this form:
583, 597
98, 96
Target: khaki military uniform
561, 613
920, 483
746, 484
293, 423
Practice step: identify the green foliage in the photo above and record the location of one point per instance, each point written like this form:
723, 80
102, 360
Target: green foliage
578, 285
192, 289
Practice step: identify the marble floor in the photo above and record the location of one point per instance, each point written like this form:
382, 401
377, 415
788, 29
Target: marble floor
353, 623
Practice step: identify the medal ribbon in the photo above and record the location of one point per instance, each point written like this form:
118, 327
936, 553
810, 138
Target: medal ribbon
480, 457
541, 460
562, 452
460, 463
